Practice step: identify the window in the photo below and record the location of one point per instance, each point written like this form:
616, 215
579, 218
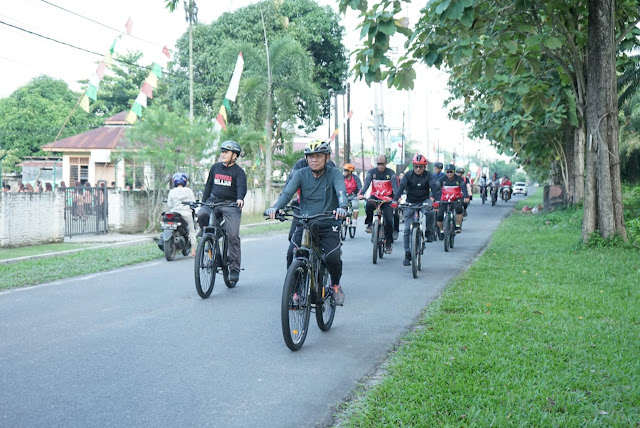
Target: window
133, 175
78, 170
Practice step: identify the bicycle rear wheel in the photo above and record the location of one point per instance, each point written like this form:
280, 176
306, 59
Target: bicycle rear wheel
374, 240
453, 232
325, 306
380, 241
224, 263
415, 250
294, 315
447, 231
205, 266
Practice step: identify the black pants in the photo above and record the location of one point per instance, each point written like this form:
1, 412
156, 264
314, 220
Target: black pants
329, 236
387, 214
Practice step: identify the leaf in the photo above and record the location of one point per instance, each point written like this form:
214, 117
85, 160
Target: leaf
534, 63
467, 17
497, 105
387, 27
552, 42
511, 46
455, 10
442, 7
365, 29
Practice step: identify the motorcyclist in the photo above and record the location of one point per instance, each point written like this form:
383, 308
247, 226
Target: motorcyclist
452, 189
227, 182
322, 189
353, 184
505, 184
416, 183
179, 194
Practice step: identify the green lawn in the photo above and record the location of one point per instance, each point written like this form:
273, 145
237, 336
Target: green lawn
10, 253
539, 332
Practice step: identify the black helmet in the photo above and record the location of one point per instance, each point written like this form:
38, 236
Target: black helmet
232, 146
450, 167
317, 146
460, 170
438, 165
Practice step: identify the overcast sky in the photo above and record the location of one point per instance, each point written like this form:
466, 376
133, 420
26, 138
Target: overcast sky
25, 56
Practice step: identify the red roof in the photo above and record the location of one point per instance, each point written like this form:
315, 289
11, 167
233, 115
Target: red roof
110, 137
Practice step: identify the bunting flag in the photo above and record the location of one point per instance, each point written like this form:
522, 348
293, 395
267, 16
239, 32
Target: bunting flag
221, 121
147, 89
108, 60
223, 112
128, 26
344, 119
141, 99
84, 103
102, 67
131, 117
113, 46
156, 70
137, 108
165, 51
226, 105
94, 80
92, 92
152, 80
232, 92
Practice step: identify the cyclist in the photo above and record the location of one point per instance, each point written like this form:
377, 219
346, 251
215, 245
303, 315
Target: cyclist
505, 184
179, 194
482, 183
460, 173
416, 183
226, 182
452, 189
353, 184
321, 189
493, 184
383, 184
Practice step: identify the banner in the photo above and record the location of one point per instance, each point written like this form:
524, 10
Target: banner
232, 92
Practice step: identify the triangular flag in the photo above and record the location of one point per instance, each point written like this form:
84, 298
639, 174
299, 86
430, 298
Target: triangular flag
147, 89
156, 70
216, 126
225, 103
94, 80
101, 69
223, 112
108, 60
131, 117
221, 121
165, 51
84, 103
113, 46
92, 92
137, 109
128, 26
152, 80
350, 114
232, 92
141, 99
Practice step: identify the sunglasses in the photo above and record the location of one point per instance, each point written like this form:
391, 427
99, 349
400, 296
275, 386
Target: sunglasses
346, 170
381, 163
223, 151
449, 172
419, 166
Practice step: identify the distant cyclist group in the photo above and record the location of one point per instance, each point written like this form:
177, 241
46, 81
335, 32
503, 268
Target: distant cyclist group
318, 198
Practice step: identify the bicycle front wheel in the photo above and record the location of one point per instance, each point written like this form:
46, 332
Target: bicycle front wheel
447, 231
343, 230
205, 266
380, 241
374, 240
415, 250
325, 306
295, 306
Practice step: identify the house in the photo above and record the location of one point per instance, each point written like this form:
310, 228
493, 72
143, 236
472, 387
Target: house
92, 156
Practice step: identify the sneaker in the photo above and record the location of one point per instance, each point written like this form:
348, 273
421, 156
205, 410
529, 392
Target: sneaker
441, 235
458, 229
234, 275
338, 294
428, 236
368, 229
388, 249
407, 259
395, 235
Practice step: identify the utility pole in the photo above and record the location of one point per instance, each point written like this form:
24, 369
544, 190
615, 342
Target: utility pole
337, 131
402, 141
329, 121
347, 134
362, 150
269, 119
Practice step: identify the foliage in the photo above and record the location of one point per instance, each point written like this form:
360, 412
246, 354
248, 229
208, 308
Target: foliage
165, 143
33, 115
316, 28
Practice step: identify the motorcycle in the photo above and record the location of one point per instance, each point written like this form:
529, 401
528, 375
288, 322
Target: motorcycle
506, 193
175, 236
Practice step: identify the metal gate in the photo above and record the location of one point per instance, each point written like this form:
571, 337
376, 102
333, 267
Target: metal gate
85, 210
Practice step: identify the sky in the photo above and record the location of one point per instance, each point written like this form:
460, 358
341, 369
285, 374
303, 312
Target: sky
26, 55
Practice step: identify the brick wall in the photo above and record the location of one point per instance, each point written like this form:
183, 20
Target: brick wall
31, 218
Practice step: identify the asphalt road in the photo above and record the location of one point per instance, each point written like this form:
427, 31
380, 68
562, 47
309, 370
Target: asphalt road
138, 347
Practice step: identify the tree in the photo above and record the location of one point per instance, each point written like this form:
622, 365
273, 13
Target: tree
165, 142
34, 114
316, 28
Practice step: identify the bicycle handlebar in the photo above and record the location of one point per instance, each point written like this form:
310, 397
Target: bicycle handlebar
419, 205
211, 204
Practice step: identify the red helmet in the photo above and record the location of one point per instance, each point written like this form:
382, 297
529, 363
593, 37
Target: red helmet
418, 159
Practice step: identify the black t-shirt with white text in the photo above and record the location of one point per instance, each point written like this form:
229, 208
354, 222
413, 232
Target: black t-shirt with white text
225, 183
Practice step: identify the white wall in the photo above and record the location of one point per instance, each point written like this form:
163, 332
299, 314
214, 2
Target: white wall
31, 218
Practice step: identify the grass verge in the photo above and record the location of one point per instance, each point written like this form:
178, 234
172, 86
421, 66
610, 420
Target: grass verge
540, 331
10, 253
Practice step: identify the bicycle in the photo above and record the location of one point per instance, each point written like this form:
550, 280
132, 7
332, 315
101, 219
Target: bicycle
377, 229
483, 193
449, 224
494, 195
417, 243
348, 223
307, 284
212, 253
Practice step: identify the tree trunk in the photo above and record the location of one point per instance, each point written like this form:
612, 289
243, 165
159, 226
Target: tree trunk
577, 170
603, 170
568, 148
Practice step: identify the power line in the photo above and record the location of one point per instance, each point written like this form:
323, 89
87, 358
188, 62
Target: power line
101, 24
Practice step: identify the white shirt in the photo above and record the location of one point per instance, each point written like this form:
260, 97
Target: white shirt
176, 197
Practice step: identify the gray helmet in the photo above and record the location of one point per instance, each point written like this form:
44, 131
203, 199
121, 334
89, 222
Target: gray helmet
438, 165
450, 167
317, 146
460, 170
232, 146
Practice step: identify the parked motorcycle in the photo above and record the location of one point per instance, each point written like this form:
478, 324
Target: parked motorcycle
175, 236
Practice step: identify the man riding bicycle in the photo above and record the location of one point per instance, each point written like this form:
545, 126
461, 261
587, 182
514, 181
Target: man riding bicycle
419, 191
451, 189
384, 185
226, 182
353, 184
322, 189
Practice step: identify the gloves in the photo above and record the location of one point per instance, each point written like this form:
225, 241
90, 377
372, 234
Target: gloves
341, 212
394, 204
270, 212
436, 204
